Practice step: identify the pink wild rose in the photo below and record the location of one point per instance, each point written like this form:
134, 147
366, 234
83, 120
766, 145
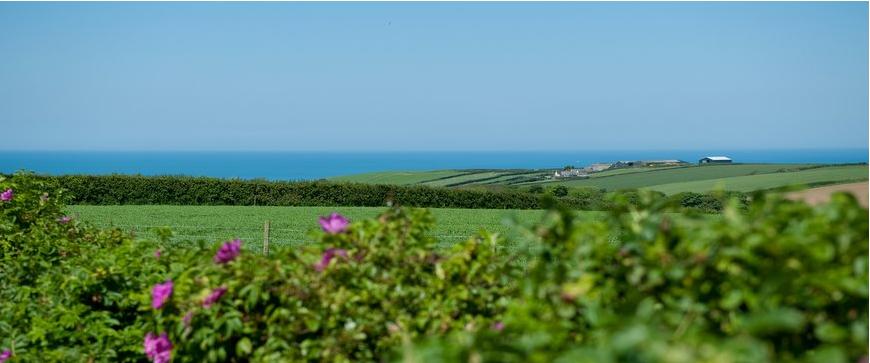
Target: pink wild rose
228, 251
157, 253
64, 219
7, 195
158, 349
5, 355
335, 223
213, 297
160, 293
328, 255
497, 326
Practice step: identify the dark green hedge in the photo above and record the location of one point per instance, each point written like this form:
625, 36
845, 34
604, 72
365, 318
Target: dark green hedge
181, 190
184, 190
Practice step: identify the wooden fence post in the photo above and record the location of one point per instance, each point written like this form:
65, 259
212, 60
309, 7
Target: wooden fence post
266, 238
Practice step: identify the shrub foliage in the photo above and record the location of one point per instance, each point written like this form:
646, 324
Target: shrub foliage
183, 190
776, 281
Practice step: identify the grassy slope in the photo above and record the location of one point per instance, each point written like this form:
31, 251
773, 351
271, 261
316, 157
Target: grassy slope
676, 175
289, 225
467, 179
740, 177
398, 177
835, 174
628, 171
441, 177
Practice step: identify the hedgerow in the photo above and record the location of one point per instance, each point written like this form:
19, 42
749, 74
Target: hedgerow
777, 281
182, 190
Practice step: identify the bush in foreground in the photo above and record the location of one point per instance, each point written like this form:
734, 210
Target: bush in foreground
779, 281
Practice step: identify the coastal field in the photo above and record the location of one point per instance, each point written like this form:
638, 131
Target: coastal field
450, 178
748, 183
670, 180
290, 225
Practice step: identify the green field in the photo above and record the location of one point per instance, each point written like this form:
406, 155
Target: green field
449, 178
826, 175
670, 180
290, 225
398, 177
677, 175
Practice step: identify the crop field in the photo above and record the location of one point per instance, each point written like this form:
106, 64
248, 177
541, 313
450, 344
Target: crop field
291, 225
693, 178
747, 183
398, 177
449, 178
678, 175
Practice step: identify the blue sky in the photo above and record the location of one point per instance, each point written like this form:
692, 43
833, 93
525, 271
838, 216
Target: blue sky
433, 76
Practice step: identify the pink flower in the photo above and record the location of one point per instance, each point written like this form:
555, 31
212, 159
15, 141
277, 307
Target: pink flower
5, 355
158, 349
7, 195
157, 253
160, 293
64, 219
228, 251
497, 326
328, 255
213, 297
335, 223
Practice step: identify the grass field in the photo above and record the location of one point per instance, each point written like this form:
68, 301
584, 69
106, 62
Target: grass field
290, 225
677, 175
834, 174
448, 177
693, 178
398, 177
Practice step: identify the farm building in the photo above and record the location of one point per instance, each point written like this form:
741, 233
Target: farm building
715, 160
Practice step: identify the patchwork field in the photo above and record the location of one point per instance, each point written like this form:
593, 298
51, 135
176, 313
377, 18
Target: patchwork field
747, 183
289, 225
670, 180
399, 177
449, 178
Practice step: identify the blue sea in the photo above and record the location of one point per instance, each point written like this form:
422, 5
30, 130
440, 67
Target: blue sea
317, 165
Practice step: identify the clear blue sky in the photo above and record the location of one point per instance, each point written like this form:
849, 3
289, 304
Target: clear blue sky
433, 76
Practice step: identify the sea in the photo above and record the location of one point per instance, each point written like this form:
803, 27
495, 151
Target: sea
297, 165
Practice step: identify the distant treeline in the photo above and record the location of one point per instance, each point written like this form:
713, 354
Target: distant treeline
184, 190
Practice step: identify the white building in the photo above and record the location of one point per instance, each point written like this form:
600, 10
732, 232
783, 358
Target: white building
715, 160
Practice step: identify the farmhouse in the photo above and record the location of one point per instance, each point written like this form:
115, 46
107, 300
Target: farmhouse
715, 160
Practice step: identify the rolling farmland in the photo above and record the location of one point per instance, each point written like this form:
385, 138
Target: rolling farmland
670, 180
399, 177
748, 183
678, 175
450, 178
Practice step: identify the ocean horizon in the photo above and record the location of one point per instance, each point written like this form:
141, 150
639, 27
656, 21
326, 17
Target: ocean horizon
312, 165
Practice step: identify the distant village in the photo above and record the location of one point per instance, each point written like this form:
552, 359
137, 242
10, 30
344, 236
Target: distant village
571, 172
